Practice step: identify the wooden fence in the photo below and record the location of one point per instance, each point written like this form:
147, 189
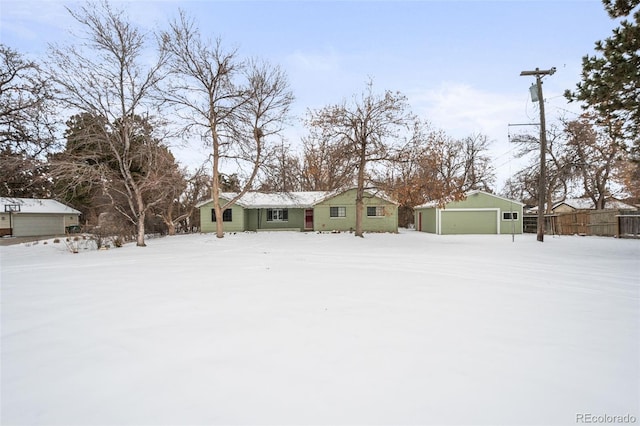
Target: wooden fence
629, 224
611, 223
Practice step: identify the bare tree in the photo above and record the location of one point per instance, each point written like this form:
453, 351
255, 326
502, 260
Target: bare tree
369, 129
405, 180
461, 164
629, 177
235, 105
282, 170
186, 191
523, 186
596, 154
27, 126
478, 171
109, 75
325, 166
436, 168
559, 167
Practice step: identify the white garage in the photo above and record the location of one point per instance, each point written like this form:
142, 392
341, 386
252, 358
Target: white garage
34, 217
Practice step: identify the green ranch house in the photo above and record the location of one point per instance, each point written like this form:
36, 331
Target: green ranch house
301, 211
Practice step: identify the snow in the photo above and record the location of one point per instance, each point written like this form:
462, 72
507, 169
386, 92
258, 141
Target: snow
305, 328
265, 200
37, 205
289, 199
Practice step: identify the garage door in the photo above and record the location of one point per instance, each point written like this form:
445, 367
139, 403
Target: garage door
469, 222
29, 225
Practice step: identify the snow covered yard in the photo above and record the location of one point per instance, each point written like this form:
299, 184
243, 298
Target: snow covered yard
293, 328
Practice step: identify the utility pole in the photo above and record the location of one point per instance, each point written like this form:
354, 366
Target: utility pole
542, 185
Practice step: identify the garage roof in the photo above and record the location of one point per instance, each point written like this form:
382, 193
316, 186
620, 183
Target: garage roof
432, 204
36, 205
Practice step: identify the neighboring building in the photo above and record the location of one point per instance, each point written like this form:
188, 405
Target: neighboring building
478, 213
578, 216
573, 204
33, 217
301, 211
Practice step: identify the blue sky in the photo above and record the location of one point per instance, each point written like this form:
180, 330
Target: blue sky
458, 62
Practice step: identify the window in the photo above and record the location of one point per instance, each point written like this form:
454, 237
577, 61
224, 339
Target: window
509, 215
226, 215
375, 211
277, 215
337, 212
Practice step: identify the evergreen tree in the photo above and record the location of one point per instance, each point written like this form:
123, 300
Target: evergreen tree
611, 79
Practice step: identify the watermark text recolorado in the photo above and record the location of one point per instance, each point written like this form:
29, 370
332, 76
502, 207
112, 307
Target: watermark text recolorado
588, 418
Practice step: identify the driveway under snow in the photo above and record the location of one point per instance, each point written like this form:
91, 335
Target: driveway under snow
304, 328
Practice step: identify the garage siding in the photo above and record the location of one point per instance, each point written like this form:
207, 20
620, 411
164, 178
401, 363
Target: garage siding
30, 225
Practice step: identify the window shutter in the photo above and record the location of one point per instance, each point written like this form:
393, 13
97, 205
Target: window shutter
285, 214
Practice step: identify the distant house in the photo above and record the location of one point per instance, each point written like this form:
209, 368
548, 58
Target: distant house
34, 217
578, 216
573, 204
301, 211
478, 213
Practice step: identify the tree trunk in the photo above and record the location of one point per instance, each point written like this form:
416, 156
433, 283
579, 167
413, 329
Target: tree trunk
219, 224
215, 186
215, 192
360, 191
140, 231
171, 228
359, 210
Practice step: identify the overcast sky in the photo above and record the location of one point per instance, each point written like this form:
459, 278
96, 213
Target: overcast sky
458, 62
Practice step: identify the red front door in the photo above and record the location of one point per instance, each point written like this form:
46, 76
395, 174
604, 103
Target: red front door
308, 219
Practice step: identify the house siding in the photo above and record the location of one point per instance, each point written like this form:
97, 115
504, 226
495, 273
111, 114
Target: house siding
71, 220
295, 220
5, 228
237, 223
428, 220
324, 222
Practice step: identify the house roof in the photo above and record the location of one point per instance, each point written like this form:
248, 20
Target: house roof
262, 200
295, 199
432, 204
587, 204
36, 205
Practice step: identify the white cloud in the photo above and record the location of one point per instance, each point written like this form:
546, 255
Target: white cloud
462, 110
314, 62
